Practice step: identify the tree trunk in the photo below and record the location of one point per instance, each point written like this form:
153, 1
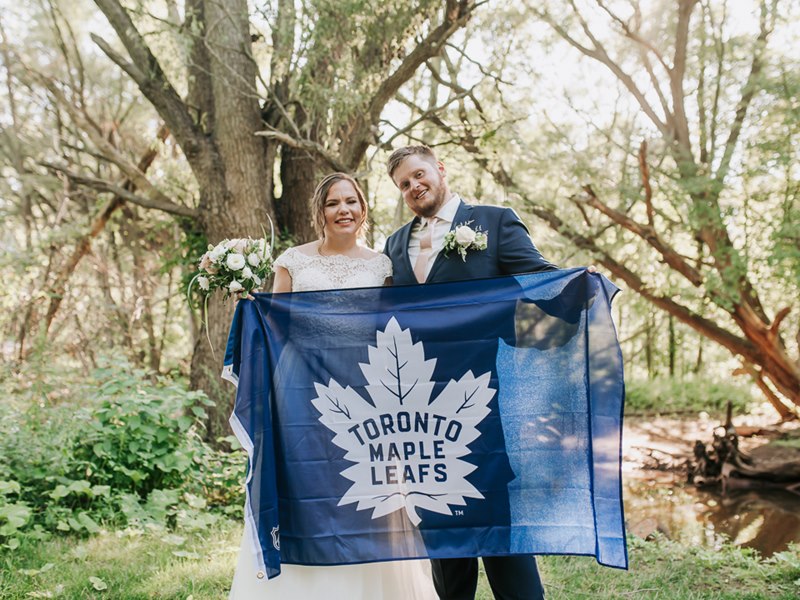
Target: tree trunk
236, 206
298, 180
648, 346
672, 345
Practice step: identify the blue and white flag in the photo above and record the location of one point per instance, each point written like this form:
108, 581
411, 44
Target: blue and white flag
474, 418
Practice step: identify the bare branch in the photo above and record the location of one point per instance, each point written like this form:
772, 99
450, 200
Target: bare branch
648, 190
106, 186
456, 15
634, 35
599, 54
425, 115
148, 75
646, 233
676, 75
748, 92
305, 144
480, 66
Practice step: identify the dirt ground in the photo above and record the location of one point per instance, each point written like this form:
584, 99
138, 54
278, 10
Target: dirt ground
665, 443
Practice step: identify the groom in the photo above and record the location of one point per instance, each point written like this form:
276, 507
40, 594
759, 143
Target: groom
417, 255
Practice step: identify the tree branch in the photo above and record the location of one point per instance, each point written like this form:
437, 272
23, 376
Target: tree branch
676, 74
748, 92
307, 145
645, 232
599, 54
152, 81
106, 186
456, 15
645, 173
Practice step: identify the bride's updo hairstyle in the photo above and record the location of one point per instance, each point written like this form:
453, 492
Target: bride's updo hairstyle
321, 194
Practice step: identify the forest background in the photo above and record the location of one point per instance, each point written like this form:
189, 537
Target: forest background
656, 139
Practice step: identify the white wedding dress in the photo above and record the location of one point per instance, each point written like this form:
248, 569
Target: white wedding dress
399, 580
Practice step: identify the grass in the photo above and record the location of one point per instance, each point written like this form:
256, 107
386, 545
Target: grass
662, 569
133, 565
124, 565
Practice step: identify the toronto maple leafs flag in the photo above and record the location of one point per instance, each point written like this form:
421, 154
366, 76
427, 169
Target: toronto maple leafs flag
475, 418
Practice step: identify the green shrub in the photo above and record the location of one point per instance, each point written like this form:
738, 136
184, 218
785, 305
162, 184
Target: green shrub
692, 394
118, 448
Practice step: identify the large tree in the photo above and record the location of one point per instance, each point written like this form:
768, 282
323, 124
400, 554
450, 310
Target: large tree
259, 104
704, 183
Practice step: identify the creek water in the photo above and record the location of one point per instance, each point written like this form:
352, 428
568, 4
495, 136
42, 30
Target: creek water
765, 520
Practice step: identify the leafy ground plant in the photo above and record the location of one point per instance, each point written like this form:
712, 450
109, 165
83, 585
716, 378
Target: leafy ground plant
117, 449
667, 395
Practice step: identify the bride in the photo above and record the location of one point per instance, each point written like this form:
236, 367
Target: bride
335, 261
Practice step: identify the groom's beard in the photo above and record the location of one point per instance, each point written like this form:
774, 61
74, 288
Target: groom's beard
435, 201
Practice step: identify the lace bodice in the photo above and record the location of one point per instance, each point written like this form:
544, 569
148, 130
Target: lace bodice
316, 272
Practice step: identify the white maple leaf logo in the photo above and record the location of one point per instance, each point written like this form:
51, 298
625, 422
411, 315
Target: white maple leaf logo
407, 448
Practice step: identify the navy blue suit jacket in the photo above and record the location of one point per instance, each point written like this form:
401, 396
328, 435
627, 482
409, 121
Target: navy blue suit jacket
509, 251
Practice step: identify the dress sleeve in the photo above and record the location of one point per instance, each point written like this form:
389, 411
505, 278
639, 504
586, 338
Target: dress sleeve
385, 266
287, 260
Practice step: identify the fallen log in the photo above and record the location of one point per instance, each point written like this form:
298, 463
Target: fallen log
725, 464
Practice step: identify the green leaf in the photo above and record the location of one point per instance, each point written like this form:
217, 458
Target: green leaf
61, 491
15, 515
174, 540
101, 490
98, 583
43, 569
81, 487
8, 487
194, 501
90, 525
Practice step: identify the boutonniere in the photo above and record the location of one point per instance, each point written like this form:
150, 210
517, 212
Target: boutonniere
464, 238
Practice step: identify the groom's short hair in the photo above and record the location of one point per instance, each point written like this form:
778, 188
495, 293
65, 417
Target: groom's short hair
403, 153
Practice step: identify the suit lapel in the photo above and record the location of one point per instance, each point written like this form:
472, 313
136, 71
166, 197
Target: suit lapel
463, 215
405, 235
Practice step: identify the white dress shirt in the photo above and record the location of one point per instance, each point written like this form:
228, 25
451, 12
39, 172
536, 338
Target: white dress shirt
443, 224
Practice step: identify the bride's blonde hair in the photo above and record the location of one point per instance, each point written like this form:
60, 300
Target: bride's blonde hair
321, 194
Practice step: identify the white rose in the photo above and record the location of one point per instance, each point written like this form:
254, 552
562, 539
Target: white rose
257, 279
235, 286
216, 253
254, 259
203, 283
464, 235
235, 261
247, 273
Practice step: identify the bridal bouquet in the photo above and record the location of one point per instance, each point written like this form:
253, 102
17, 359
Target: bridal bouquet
236, 266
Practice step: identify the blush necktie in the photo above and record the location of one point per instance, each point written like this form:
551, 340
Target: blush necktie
425, 245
